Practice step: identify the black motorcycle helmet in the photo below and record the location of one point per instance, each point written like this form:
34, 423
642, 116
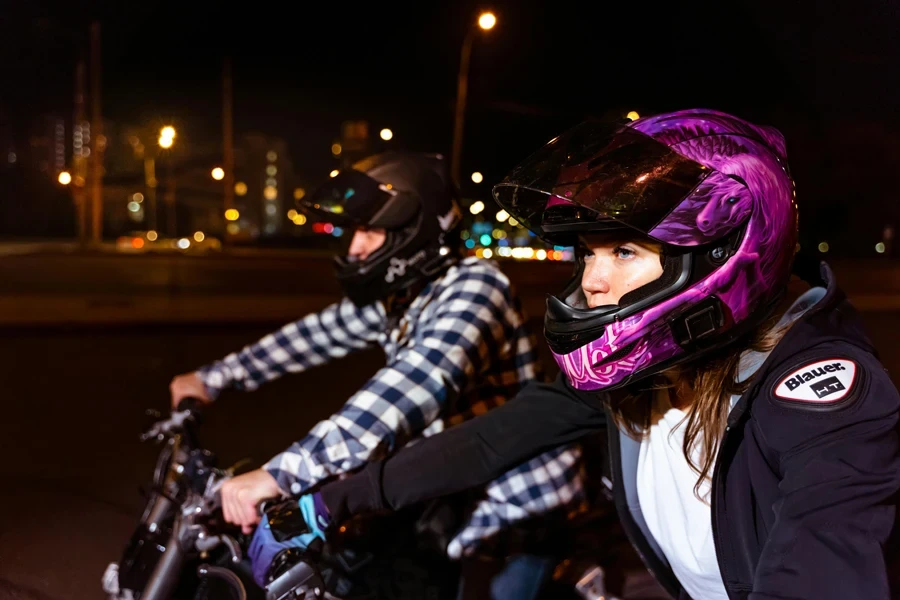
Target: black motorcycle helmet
409, 196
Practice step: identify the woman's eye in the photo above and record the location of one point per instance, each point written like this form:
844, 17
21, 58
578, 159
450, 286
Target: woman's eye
623, 252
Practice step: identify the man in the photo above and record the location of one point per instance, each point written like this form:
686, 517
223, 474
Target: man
452, 332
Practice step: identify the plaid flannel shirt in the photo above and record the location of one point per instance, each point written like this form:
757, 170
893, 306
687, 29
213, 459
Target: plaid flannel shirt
461, 349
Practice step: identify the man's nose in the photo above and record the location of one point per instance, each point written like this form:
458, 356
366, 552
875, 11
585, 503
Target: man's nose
357, 245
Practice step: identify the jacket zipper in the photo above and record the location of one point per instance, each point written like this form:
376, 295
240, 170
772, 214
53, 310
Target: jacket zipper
718, 512
660, 572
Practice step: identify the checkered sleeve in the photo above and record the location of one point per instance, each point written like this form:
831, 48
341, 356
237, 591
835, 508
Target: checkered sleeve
336, 331
550, 481
454, 341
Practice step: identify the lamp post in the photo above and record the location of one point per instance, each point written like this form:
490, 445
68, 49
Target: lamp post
486, 22
166, 141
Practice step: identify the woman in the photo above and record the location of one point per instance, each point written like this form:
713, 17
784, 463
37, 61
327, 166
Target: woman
754, 450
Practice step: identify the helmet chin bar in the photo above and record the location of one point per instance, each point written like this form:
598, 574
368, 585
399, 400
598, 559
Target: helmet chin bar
568, 328
570, 324
404, 259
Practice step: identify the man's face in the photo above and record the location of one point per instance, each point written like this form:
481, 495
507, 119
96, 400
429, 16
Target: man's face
365, 242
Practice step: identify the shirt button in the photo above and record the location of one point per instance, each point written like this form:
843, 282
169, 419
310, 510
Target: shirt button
295, 488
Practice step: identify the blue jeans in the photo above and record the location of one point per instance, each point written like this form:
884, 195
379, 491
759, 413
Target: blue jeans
521, 578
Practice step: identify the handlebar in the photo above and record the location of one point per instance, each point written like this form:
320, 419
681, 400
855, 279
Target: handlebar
188, 413
190, 404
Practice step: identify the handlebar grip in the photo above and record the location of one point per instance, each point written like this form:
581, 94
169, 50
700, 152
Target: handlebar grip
194, 409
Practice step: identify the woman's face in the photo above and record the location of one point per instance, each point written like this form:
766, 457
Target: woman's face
616, 265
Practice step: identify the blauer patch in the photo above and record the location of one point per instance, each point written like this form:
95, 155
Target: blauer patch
821, 383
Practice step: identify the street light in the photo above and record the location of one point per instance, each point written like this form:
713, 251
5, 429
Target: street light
633, 115
477, 177
386, 134
65, 177
166, 137
218, 173
486, 21
167, 140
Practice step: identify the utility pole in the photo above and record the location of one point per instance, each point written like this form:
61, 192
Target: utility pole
99, 144
171, 225
227, 138
151, 184
78, 167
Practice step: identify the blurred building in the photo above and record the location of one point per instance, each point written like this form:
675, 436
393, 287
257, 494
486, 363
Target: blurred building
46, 149
263, 175
178, 190
354, 143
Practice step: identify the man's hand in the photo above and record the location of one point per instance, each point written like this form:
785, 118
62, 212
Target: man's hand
188, 385
241, 497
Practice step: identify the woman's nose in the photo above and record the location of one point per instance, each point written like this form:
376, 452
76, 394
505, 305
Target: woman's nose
596, 277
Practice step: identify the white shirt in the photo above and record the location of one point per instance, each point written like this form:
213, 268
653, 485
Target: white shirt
679, 521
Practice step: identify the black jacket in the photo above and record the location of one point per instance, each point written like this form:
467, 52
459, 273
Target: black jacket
806, 481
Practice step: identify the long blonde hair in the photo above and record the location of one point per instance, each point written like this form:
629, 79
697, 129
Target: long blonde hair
710, 383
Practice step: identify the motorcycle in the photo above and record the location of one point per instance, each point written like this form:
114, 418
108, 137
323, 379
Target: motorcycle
181, 547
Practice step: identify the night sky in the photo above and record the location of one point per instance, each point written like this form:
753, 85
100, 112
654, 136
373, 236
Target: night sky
827, 77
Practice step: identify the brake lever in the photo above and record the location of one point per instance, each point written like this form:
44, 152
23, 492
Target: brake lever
213, 496
213, 491
230, 471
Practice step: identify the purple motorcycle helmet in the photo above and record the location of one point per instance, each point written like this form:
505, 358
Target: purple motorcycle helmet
712, 189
